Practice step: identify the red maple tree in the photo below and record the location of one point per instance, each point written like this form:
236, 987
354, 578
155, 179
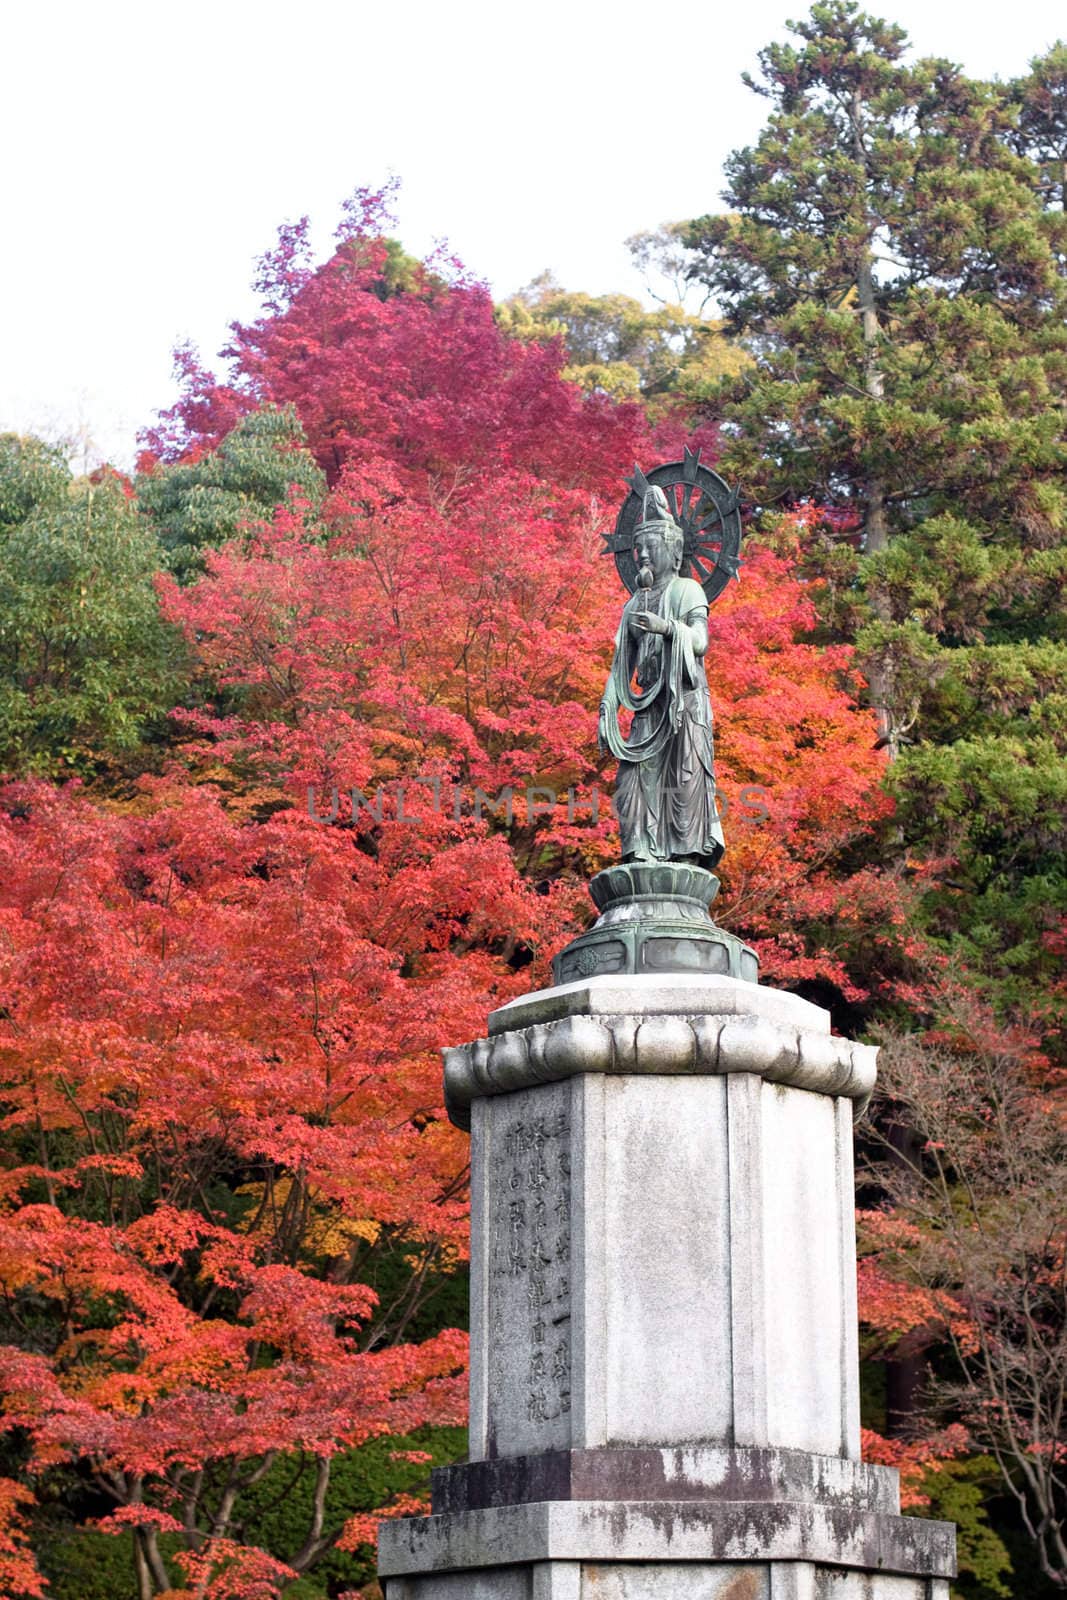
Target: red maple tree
218, 1047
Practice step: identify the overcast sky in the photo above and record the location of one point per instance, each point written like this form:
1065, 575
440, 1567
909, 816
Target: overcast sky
151, 151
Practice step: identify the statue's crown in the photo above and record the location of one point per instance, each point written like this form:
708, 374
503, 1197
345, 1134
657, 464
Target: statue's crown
655, 512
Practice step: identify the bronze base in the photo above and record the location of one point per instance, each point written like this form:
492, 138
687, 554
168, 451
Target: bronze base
654, 918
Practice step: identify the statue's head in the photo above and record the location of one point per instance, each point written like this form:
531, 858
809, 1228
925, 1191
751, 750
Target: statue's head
658, 522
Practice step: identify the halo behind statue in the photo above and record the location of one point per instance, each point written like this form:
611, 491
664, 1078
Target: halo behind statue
707, 511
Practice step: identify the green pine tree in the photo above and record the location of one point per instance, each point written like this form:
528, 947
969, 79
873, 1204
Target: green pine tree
1040, 132
892, 257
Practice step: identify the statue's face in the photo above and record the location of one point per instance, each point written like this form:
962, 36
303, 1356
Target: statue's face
653, 551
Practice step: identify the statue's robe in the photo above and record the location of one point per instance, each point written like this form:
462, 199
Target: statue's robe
665, 792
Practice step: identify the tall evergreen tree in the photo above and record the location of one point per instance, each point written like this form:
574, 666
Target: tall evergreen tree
884, 254
890, 258
1041, 127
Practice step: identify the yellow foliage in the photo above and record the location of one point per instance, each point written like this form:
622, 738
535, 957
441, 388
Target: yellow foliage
326, 1232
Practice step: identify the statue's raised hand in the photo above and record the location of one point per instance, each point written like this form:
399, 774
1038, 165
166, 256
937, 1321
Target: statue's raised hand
649, 622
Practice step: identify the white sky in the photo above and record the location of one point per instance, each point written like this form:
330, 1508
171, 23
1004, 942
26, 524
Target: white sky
150, 152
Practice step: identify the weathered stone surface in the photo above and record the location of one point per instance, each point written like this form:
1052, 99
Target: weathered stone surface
829, 1585
664, 1373
665, 1207
654, 1580
668, 994
521, 1310
657, 1580
634, 1242
699, 1473
711, 1026
807, 1279
797, 1580
668, 1531
503, 1583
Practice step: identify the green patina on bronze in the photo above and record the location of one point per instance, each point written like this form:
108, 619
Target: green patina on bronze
676, 545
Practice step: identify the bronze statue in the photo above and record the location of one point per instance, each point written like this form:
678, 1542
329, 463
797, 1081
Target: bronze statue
665, 793
676, 546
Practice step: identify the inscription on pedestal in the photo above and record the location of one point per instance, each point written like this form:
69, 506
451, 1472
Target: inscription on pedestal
530, 1271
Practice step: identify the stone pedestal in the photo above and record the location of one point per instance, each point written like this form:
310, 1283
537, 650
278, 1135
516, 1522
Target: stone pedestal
664, 1377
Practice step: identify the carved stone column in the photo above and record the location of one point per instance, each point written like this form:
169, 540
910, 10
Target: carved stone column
664, 1377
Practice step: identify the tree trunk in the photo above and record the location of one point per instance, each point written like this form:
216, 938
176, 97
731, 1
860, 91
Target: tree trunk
903, 1386
145, 1587
875, 524
315, 1544
155, 1561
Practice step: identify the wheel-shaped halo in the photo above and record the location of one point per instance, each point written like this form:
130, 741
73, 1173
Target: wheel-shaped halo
706, 509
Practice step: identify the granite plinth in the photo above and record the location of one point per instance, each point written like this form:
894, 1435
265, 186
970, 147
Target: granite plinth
699, 1473
671, 1532
662, 1261
655, 1580
664, 1370
664, 1026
